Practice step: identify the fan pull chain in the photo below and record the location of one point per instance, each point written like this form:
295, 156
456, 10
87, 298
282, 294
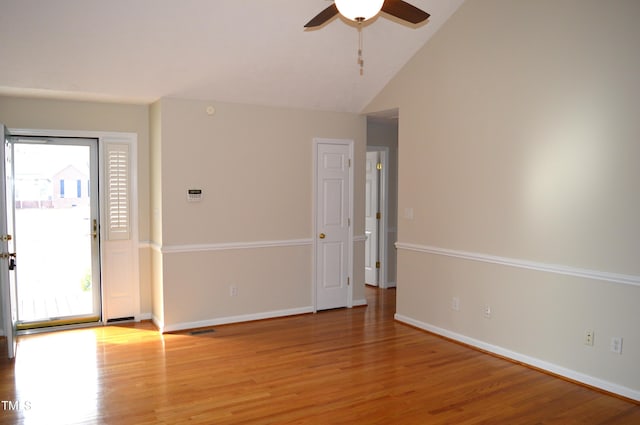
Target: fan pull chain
360, 60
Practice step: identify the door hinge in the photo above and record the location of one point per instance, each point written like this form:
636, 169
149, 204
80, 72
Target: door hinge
378, 216
349, 162
348, 281
379, 166
377, 264
348, 222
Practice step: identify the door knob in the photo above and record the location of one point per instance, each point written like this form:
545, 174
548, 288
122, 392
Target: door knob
321, 236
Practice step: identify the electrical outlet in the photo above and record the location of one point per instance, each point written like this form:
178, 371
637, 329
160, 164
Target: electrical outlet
616, 344
455, 303
233, 291
588, 337
487, 312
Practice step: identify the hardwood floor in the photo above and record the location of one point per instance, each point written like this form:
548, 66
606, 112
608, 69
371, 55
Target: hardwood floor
348, 366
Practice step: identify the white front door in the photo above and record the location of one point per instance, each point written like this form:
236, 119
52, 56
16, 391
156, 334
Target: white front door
372, 211
8, 262
115, 228
333, 219
56, 216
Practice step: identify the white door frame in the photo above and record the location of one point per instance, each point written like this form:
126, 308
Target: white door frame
383, 225
7, 276
350, 144
372, 218
103, 138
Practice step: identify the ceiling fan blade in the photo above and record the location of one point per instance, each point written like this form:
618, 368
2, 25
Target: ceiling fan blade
323, 16
405, 11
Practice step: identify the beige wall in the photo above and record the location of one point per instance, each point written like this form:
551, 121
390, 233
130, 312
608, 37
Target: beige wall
255, 167
155, 200
519, 138
48, 114
155, 170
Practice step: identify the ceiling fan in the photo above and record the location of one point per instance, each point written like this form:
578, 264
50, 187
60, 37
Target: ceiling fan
362, 10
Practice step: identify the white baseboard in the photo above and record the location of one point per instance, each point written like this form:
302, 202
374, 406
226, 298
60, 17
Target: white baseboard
522, 358
360, 302
158, 323
233, 319
144, 316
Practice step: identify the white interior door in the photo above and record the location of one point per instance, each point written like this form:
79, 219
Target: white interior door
372, 211
333, 215
8, 261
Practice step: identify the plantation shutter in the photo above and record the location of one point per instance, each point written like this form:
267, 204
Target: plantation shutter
119, 227
118, 176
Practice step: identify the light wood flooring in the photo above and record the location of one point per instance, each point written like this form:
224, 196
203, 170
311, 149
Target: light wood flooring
347, 366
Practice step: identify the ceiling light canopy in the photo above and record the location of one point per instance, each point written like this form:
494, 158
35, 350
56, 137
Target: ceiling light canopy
359, 10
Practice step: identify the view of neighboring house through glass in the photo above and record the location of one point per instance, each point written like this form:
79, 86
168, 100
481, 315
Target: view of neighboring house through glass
53, 228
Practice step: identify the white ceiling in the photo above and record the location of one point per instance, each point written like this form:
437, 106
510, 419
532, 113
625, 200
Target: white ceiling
243, 51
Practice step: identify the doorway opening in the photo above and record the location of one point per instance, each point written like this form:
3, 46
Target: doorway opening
56, 231
381, 197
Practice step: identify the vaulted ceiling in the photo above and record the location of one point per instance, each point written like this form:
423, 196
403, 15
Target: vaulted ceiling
244, 51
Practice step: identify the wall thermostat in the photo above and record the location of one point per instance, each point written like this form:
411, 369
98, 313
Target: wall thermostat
194, 195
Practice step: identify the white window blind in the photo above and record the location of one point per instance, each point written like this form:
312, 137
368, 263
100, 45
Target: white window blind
118, 191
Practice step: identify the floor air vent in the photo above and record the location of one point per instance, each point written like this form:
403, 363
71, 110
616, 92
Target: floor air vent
120, 319
202, 331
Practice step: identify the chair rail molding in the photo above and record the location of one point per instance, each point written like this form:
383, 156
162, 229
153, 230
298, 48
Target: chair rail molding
524, 264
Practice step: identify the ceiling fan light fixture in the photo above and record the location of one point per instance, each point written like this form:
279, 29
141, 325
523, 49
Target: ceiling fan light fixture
359, 10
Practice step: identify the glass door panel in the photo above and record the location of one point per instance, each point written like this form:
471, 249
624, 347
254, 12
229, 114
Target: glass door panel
57, 231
